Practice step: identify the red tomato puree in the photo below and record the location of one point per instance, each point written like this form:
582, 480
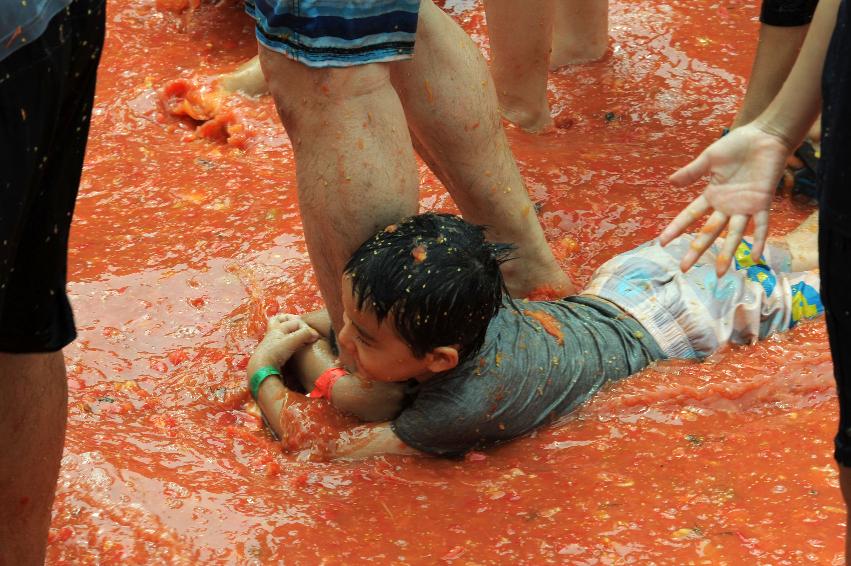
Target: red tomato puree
186, 239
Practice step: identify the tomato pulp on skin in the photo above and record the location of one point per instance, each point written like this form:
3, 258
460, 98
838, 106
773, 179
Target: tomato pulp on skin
182, 245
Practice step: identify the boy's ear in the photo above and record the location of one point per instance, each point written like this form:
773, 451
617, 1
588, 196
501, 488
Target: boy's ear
442, 358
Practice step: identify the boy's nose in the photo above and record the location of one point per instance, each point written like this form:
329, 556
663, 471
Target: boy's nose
344, 338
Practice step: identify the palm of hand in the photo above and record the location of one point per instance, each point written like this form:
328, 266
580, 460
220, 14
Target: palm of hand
744, 168
744, 173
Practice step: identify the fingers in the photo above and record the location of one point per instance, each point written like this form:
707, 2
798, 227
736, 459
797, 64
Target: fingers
704, 239
735, 232
284, 325
279, 320
692, 172
302, 336
684, 219
760, 234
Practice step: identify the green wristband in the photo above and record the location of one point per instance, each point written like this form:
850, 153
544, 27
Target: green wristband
259, 377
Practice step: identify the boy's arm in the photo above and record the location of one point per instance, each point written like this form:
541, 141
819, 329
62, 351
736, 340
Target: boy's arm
319, 321
271, 397
362, 441
371, 440
285, 334
367, 400
746, 164
359, 442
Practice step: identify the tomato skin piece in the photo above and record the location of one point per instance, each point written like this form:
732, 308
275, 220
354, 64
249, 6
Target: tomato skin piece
177, 357
550, 324
544, 293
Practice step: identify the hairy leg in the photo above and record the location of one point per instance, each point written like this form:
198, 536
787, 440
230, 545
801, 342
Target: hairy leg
33, 409
581, 32
520, 39
451, 107
355, 163
775, 54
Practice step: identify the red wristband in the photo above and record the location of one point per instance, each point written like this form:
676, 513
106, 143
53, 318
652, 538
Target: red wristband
323, 385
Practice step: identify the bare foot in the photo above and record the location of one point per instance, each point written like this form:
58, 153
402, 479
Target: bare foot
567, 52
247, 78
523, 283
802, 243
533, 118
526, 276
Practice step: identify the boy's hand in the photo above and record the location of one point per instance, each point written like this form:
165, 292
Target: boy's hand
285, 334
319, 321
744, 169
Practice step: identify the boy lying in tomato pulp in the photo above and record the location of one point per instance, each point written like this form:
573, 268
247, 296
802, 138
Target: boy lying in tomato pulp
446, 362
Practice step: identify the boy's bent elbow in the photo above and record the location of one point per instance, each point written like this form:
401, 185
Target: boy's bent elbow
379, 402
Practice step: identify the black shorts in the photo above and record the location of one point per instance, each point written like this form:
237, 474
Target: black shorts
46, 93
835, 266
787, 13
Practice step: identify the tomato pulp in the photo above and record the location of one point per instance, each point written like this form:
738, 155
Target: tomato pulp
185, 240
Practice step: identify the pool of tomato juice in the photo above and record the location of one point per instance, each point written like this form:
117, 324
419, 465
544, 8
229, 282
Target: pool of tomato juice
183, 243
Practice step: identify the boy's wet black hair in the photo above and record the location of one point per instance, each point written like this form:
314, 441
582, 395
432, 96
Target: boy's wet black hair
436, 276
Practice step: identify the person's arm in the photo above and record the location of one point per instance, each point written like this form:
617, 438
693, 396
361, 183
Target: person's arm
745, 166
291, 341
285, 334
372, 401
319, 321
359, 442
288, 334
371, 440
367, 400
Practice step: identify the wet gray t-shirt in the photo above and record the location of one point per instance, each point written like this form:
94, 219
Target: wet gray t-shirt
540, 360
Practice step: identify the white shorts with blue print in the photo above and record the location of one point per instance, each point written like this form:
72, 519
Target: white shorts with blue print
691, 315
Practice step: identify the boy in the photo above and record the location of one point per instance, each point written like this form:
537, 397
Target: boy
424, 305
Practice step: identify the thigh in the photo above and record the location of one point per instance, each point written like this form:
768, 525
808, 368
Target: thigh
46, 97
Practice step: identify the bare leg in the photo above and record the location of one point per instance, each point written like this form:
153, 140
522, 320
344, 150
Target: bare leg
33, 409
802, 244
581, 32
776, 53
247, 78
451, 108
520, 38
354, 159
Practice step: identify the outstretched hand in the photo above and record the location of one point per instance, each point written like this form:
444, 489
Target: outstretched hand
744, 168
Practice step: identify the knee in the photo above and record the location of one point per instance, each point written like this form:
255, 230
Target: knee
299, 90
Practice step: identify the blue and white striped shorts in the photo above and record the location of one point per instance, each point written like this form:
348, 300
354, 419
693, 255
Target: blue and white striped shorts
691, 315
337, 33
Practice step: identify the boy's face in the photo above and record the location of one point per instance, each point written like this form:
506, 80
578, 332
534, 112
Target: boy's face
378, 352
